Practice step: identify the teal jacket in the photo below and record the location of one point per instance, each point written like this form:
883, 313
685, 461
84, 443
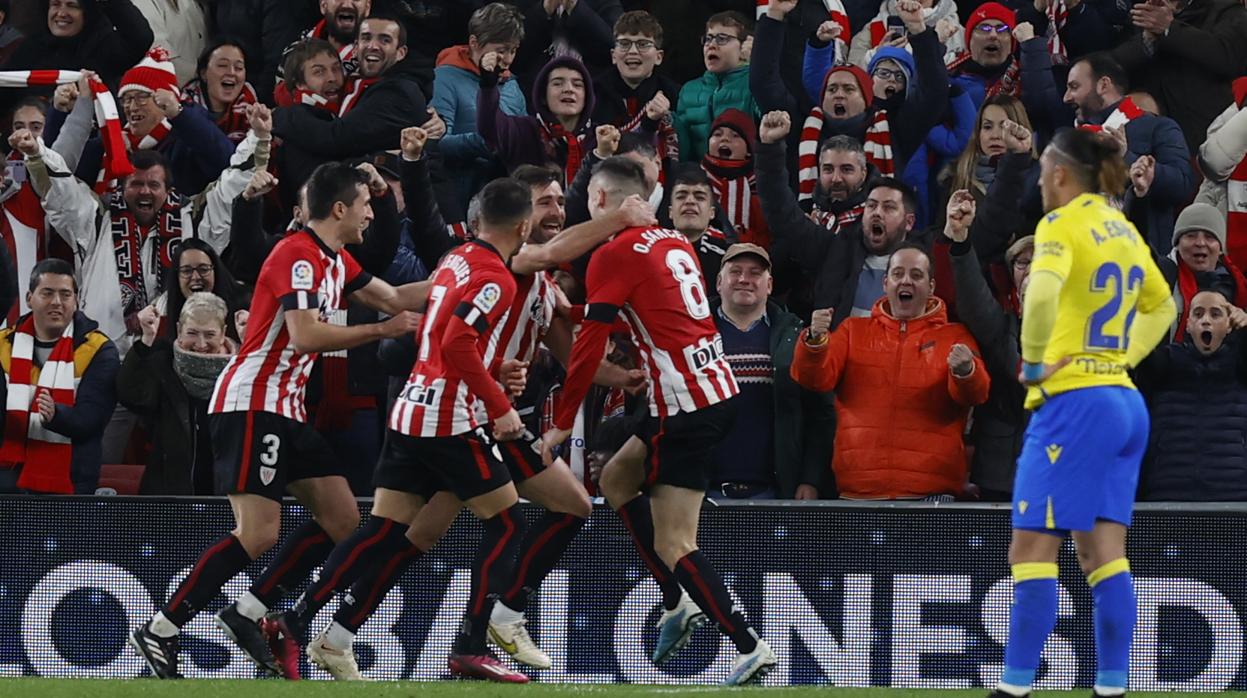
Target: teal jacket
703, 100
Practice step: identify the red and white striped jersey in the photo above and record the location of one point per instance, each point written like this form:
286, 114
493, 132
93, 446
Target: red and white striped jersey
525, 324
267, 374
450, 390
651, 276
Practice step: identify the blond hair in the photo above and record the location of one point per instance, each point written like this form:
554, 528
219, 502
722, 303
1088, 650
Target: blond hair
204, 307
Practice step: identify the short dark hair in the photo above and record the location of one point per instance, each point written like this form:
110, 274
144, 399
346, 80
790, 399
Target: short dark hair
388, 17
497, 23
505, 202
733, 19
537, 176
302, 52
146, 159
1103, 65
331, 183
908, 199
919, 248
627, 175
637, 142
690, 175
639, 23
206, 55
35, 102
52, 265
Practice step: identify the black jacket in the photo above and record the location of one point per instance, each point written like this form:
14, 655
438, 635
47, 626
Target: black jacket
149, 386
612, 97
265, 28
1198, 445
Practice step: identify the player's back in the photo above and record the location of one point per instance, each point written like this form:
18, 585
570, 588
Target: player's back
654, 275
1108, 272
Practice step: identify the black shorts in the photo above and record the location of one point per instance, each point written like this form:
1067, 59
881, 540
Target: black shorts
522, 456
466, 464
680, 450
259, 452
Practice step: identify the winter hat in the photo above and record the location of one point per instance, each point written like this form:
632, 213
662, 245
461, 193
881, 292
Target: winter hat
543, 77
154, 72
864, 83
986, 11
1200, 217
900, 56
741, 123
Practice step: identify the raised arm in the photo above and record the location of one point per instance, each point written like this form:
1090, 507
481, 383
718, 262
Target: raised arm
70, 205
579, 240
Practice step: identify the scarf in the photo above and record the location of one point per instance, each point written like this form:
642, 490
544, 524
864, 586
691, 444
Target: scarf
354, 91
22, 226
346, 54
553, 135
233, 121
667, 142
199, 372
1188, 287
116, 164
837, 222
1058, 15
1125, 112
877, 143
43, 455
734, 182
152, 140
316, 101
1009, 82
128, 240
985, 171
835, 12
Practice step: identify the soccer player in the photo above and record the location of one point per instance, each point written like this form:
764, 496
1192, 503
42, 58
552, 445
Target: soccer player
439, 438
663, 301
257, 416
1095, 307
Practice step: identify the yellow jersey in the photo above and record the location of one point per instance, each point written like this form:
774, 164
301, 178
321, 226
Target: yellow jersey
1107, 275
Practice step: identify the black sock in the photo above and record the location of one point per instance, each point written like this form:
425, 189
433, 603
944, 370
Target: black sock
216, 566
639, 521
305, 548
698, 576
540, 551
369, 591
491, 572
372, 544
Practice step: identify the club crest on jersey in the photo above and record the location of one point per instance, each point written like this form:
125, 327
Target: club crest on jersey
488, 297
267, 474
302, 275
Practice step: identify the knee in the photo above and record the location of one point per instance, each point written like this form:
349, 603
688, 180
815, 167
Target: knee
672, 551
615, 486
580, 506
258, 537
1088, 561
424, 536
340, 524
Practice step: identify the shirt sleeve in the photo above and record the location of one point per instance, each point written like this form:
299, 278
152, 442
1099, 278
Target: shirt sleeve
1053, 250
1049, 270
293, 273
481, 305
356, 277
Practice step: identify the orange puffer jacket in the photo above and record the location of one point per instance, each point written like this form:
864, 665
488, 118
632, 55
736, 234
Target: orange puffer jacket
900, 411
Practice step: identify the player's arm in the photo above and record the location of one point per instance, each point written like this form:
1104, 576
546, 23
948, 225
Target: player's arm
309, 335
1049, 270
482, 304
379, 295
1156, 313
579, 240
558, 340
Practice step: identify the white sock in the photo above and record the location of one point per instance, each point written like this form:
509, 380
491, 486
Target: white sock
163, 627
339, 637
1012, 690
250, 607
1109, 691
503, 614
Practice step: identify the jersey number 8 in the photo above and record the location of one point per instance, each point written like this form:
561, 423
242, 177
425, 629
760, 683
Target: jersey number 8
1109, 278
688, 274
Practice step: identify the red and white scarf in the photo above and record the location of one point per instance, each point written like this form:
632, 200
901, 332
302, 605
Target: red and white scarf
355, 89
734, 182
1125, 112
877, 144
1058, 15
317, 101
837, 14
346, 54
43, 455
233, 121
128, 239
22, 226
1010, 83
1236, 196
553, 133
836, 223
116, 164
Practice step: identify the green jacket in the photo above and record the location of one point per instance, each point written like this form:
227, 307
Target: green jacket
703, 100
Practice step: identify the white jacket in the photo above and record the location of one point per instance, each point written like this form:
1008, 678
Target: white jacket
1220, 155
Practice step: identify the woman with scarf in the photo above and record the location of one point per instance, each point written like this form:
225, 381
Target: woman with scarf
1198, 263
169, 383
221, 88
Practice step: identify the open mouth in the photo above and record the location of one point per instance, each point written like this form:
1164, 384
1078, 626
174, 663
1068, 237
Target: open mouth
992, 50
1206, 337
229, 83
876, 229
1200, 257
839, 110
373, 58
725, 152
690, 211
889, 91
569, 100
633, 63
551, 226
145, 205
346, 17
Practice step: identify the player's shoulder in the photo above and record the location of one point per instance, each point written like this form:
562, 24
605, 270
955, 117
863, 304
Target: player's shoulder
644, 240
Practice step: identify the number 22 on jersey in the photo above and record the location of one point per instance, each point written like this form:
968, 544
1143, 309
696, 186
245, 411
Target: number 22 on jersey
1109, 326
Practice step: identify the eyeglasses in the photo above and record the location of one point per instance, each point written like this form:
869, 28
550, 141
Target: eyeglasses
641, 45
203, 270
1021, 263
718, 39
985, 28
890, 75
136, 98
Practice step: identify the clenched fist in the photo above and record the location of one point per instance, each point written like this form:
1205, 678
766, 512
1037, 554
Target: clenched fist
608, 141
960, 215
24, 142
168, 103
1024, 32
412, 140
775, 126
1142, 173
434, 127
1017, 137
829, 31
262, 182
658, 107
260, 119
961, 361
820, 322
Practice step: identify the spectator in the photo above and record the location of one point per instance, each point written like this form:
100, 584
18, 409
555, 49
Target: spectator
10, 36
886, 30
168, 382
999, 423
784, 451
631, 95
339, 24
266, 28
31, 113
728, 163
692, 208
1083, 26
180, 27
1160, 164
1186, 54
59, 376
315, 81
220, 86
1223, 161
561, 132
724, 85
905, 379
1197, 262
1197, 395
497, 28
557, 28
195, 268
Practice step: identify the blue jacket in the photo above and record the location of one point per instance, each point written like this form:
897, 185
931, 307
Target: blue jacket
1040, 95
943, 144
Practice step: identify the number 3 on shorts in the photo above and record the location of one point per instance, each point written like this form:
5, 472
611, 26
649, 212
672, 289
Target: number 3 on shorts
272, 443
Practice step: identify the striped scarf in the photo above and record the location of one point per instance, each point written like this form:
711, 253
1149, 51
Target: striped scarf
116, 164
346, 54
316, 101
837, 222
354, 92
877, 143
128, 238
43, 455
835, 12
734, 182
1010, 83
1058, 15
668, 142
1125, 112
233, 122
553, 134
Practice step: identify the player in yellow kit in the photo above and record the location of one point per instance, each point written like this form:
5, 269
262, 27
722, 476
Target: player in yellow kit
1096, 305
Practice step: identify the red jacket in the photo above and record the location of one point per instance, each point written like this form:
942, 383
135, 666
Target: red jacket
900, 411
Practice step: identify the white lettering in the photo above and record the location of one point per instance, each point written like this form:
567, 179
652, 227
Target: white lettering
639, 609
911, 639
1216, 611
459, 266
441, 635
789, 613
653, 237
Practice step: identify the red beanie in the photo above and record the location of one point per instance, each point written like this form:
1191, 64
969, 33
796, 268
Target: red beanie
740, 122
864, 83
154, 72
990, 10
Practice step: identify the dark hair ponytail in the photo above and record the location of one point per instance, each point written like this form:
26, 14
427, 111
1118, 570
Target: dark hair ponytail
1097, 158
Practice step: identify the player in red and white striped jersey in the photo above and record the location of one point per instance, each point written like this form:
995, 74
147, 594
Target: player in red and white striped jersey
256, 414
663, 301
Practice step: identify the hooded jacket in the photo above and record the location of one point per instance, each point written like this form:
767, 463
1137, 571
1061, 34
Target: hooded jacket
900, 412
702, 100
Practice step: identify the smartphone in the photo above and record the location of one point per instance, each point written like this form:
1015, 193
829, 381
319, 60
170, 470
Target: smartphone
17, 170
896, 26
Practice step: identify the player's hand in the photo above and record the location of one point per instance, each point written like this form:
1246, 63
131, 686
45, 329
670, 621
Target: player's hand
658, 107
961, 360
412, 142
550, 440
401, 325
635, 212
260, 118
607, 141
1023, 32
828, 31
775, 126
910, 12
513, 375
806, 493
1048, 370
960, 216
262, 182
1238, 318
820, 322
168, 103
24, 142
46, 405
508, 427
1142, 173
434, 127
489, 61
149, 322
779, 9
1017, 137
